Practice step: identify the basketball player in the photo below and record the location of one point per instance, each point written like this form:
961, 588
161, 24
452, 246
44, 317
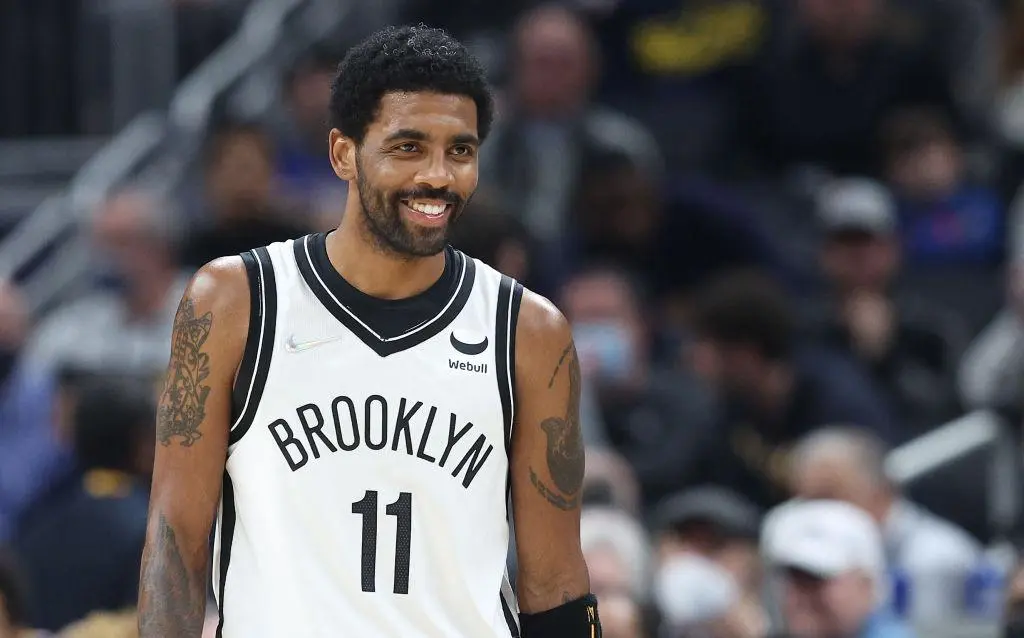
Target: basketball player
358, 409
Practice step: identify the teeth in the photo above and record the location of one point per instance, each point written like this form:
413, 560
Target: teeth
427, 209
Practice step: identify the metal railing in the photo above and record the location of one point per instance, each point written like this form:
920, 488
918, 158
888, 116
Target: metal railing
956, 440
58, 214
151, 139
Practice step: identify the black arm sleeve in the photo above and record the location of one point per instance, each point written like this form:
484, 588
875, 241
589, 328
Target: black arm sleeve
574, 619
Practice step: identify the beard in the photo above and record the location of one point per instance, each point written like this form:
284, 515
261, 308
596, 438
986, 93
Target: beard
393, 233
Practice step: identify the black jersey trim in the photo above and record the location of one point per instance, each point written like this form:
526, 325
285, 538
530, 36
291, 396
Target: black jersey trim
517, 298
516, 302
311, 272
227, 536
259, 345
506, 318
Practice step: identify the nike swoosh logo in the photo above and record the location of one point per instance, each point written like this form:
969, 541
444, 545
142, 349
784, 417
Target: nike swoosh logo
469, 348
291, 345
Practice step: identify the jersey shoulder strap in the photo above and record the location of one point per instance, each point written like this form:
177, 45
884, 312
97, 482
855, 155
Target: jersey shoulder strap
510, 297
259, 342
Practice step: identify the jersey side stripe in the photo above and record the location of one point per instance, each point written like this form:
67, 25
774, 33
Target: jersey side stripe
263, 344
501, 366
513, 322
227, 534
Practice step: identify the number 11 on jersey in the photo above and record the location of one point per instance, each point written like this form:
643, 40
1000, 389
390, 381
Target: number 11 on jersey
402, 511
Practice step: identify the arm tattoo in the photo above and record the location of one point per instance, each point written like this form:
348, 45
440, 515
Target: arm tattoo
172, 596
565, 353
564, 442
183, 402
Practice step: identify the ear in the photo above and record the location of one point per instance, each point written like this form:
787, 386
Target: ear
343, 155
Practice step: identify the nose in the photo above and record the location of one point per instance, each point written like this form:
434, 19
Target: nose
435, 172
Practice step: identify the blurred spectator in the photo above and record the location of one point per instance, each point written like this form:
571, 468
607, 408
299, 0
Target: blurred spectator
909, 346
833, 69
936, 557
240, 213
674, 64
33, 455
774, 387
708, 576
82, 546
832, 566
609, 481
621, 617
304, 174
655, 418
551, 130
618, 553
945, 218
125, 327
673, 238
499, 240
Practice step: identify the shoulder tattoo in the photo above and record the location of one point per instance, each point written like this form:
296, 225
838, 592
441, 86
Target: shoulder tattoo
183, 401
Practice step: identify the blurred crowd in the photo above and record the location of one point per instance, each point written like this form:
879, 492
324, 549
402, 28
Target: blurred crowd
787, 234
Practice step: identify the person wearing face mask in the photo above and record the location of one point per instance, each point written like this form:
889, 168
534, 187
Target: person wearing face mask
654, 418
708, 581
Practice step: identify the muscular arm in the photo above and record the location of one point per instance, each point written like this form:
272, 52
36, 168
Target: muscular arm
547, 460
192, 438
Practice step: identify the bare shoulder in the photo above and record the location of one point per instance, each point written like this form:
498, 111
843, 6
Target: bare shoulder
221, 284
219, 289
541, 332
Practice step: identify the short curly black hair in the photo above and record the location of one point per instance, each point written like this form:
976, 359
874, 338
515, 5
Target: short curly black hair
408, 58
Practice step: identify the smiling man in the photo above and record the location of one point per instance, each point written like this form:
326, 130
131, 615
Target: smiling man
363, 411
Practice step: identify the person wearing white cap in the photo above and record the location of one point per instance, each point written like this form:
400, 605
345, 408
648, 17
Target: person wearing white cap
847, 463
830, 557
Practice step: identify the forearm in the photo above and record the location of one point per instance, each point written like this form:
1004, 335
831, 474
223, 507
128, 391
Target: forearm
556, 586
173, 584
559, 604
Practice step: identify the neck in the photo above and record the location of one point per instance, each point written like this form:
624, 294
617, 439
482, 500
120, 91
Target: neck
374, 270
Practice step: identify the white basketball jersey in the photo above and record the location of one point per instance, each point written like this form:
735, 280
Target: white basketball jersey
366, 482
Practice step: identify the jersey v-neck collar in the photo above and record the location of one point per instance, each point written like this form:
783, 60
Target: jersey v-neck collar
437, 306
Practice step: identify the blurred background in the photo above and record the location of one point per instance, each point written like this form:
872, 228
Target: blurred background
787, 233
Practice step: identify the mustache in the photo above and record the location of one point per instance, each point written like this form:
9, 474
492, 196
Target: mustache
442, 194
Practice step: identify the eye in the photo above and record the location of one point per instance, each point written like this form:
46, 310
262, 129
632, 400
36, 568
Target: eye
462, 150
407, 147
